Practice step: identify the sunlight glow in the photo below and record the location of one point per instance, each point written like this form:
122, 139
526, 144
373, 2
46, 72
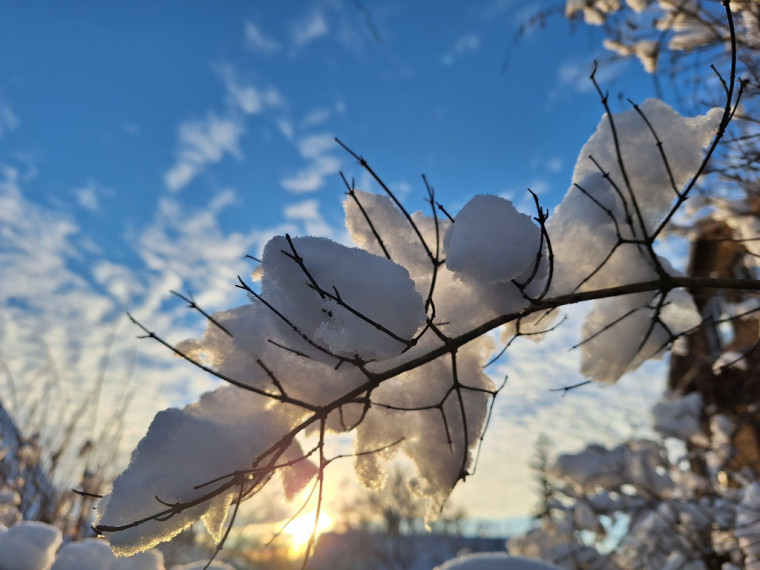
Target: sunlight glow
301, 528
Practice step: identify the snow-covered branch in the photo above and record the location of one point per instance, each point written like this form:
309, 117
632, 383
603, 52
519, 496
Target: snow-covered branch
388, 339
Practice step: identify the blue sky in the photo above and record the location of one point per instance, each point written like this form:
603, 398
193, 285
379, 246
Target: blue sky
148, 146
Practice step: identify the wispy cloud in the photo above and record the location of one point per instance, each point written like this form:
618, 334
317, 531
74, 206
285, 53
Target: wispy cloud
202, 142
87, 198
56, 319
309, 29
315, 149
89, 195
285, 127
312, 177
61, 301
245, 97
307, 214
8, 119
496, 8
317, 117
314, 146
258, 41
574, 76
467, 43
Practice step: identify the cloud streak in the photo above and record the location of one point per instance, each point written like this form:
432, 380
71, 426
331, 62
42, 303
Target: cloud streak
309, 29
258, 41
62, 300
207, 141
200, 143
307, 214
8, 119
315, 149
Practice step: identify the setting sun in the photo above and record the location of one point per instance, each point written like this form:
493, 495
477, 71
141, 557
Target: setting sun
301, 528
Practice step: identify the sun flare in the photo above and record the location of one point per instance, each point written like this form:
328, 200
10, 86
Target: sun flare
301, 528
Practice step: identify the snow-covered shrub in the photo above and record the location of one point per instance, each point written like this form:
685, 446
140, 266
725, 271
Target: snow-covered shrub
631, 507
695, 508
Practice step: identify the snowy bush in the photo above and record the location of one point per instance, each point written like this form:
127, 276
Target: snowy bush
671, 516
689, 501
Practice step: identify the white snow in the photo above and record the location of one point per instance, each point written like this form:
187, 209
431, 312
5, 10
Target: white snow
594, 13
583, 232
597, 468
217, 436
588, 224
494, 561
729, 359
28, 546
491, 242
363, 282
94, 554
679, 417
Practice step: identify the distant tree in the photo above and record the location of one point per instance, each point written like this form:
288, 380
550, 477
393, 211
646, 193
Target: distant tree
389, 340
540, 465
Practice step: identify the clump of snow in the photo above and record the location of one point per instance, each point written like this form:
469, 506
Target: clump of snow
397, 235
494, 561
679, 417
582, 228
461, 303
491, 242
598, 468
595, 12
29, 546
376, 288
647, 51
216, 436
722, 449
440, 449
620, 334
682, 18
253, 343
729, 359
94, 554
748, 524
553, 541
